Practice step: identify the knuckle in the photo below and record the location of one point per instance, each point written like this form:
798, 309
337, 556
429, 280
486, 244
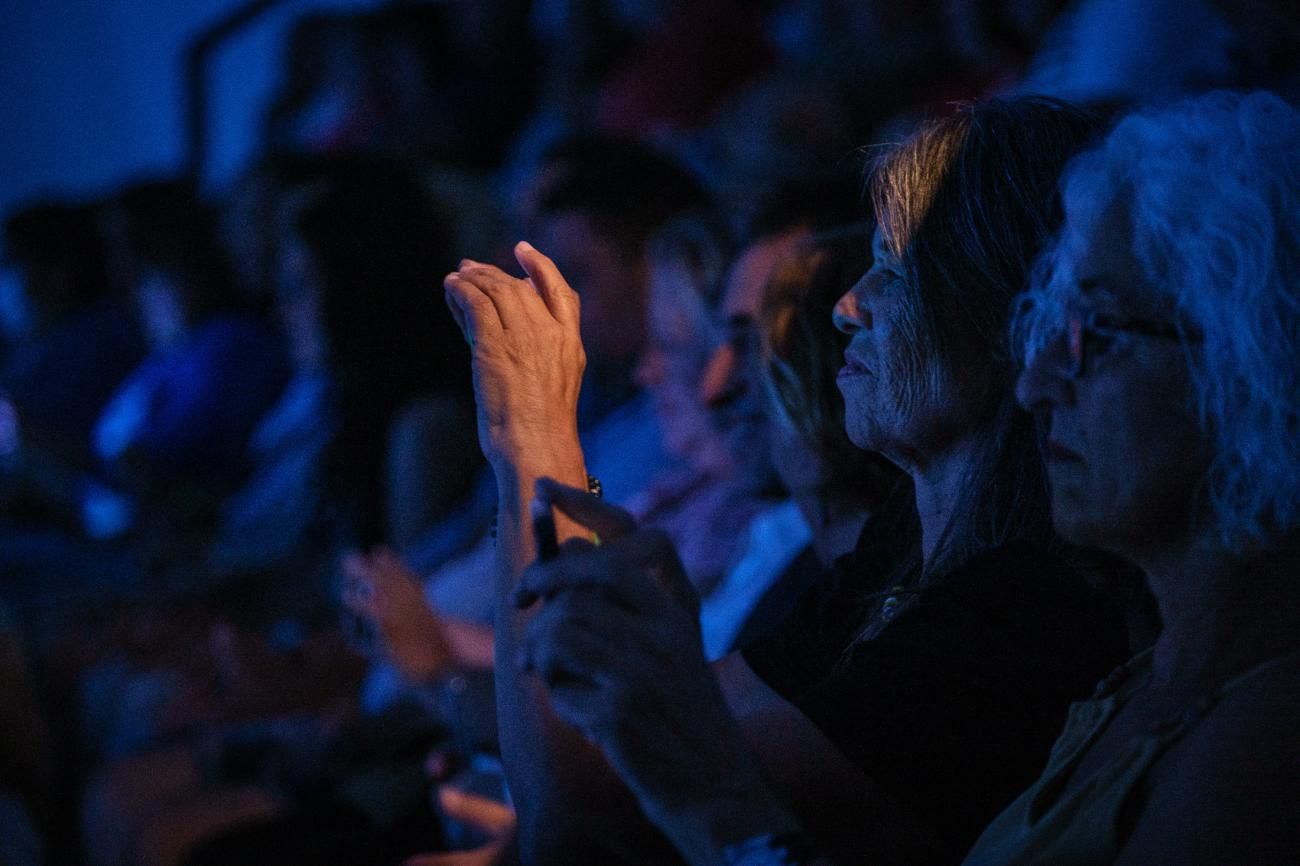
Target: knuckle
658, 542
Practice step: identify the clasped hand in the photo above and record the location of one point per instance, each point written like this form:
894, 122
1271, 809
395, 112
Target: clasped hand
615, 636
527, 352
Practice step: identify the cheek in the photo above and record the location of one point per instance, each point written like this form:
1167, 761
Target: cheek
1144, 458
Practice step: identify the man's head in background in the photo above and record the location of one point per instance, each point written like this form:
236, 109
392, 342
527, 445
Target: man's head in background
598, 201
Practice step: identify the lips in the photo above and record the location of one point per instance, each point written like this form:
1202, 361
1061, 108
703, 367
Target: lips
852, 367
1055, 451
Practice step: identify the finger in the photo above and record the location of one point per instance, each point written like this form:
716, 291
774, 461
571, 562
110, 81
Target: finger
458, 315
522, 596
484, 813
576, 544
605, 519
516, 301
552, 287
608, 573
572, 660
473, 308
582, 704
573, 637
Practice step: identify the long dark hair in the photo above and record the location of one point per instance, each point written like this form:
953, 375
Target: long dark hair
966, 202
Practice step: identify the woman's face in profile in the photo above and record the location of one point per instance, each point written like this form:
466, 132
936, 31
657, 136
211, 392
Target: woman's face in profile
900, 399
1124, 454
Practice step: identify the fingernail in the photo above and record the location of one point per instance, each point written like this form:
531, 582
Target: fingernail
524, 245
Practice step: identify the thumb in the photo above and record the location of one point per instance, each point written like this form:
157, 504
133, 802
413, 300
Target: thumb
554, 290
608, 521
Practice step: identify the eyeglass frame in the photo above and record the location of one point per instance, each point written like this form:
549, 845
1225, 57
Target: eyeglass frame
1079, 326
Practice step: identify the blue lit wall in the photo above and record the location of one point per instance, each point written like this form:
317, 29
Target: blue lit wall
92, 92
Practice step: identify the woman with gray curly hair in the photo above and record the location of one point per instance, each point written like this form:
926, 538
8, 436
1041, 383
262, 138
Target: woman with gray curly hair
1164, 350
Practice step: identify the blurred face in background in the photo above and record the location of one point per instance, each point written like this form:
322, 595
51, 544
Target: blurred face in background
681, 336
731, 384
610, 280
298, 305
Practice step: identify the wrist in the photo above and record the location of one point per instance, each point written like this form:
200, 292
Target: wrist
522, 447
712, 828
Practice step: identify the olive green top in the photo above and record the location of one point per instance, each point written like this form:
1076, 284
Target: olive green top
1090, 824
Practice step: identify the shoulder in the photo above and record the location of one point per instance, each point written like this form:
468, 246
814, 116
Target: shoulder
1230, 790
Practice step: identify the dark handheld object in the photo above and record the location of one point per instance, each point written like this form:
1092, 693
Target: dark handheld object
548, 545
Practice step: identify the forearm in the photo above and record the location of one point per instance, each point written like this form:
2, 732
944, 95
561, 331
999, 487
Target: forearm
570, 802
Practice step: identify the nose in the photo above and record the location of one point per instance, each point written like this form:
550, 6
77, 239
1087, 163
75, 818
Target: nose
850, 315
721, 382
1043, 386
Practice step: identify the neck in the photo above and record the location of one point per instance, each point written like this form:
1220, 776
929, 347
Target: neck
835, 525
938, 480
1221, 614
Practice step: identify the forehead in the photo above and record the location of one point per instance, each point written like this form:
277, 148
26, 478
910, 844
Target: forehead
1098, 255
744, 293
878, 246
677, 307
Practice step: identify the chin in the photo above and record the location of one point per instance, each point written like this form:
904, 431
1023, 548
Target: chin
1077, 524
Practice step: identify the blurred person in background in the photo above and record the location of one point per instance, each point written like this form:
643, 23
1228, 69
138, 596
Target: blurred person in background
260, 665
70, 343
177, 429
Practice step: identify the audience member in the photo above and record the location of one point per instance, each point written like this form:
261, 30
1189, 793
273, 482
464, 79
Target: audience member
1165, 350
185, 414
834, 485
69, 343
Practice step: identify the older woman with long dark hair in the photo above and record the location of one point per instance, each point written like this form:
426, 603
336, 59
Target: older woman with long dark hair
1164, 343
897, 710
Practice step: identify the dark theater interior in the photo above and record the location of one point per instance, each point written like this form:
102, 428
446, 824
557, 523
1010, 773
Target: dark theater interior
638, 432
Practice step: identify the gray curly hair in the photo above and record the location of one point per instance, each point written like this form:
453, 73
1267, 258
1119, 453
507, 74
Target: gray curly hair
1213, 187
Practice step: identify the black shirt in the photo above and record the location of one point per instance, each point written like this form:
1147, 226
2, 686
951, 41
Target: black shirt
953, 705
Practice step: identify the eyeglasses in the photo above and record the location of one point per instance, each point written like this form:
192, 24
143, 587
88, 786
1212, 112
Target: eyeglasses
1085, 329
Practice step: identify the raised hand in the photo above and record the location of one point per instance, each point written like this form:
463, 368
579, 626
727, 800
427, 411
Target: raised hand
527, 353
385, 592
